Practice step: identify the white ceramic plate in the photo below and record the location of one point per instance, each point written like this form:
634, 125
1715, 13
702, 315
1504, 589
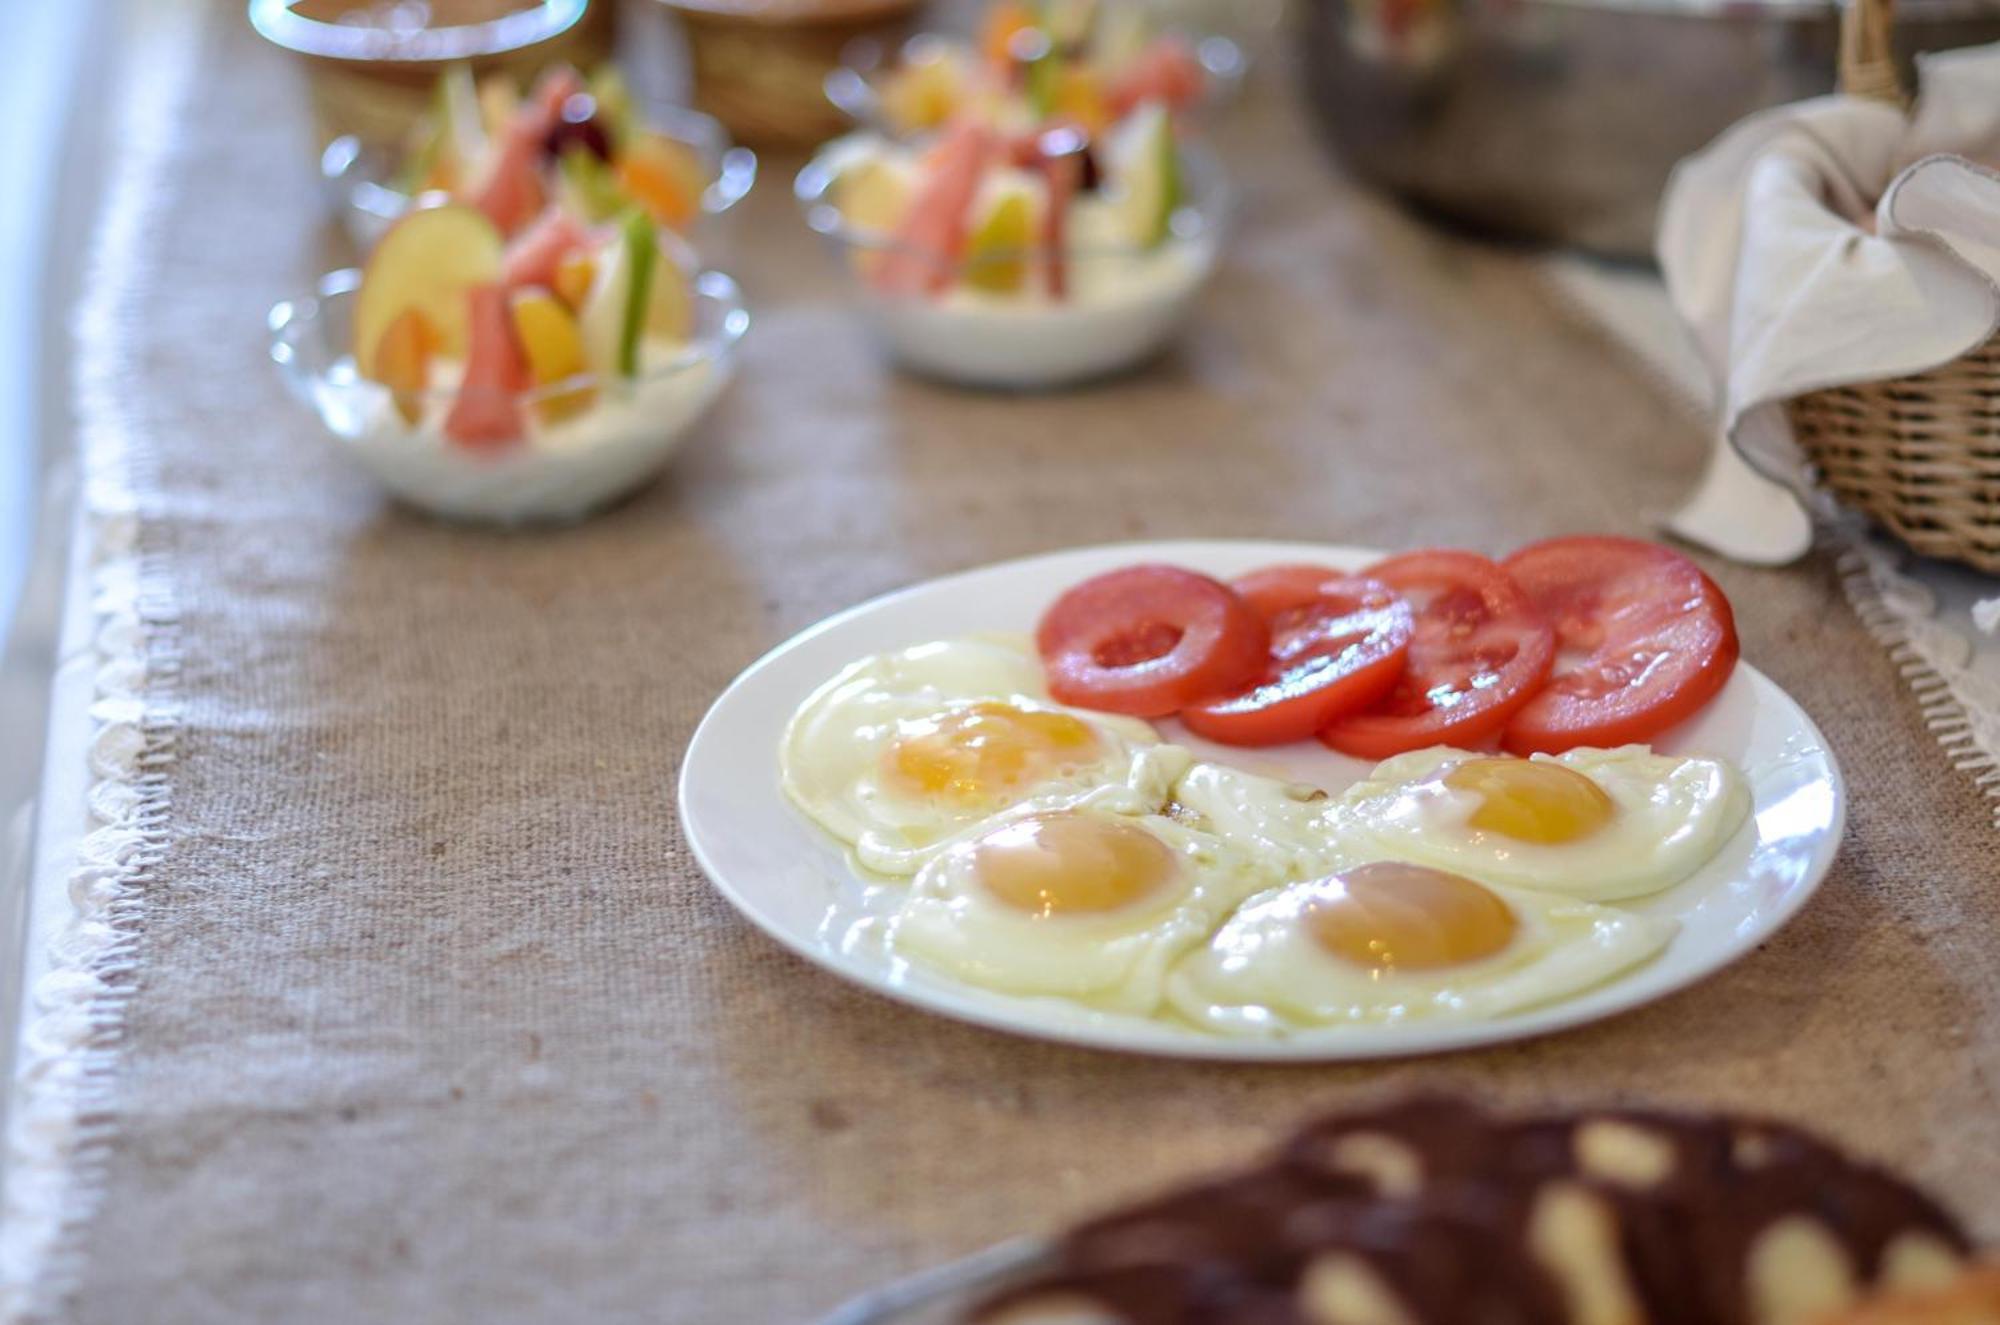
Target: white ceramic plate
793, 881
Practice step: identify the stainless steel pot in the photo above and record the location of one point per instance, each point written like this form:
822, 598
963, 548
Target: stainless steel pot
1557, 121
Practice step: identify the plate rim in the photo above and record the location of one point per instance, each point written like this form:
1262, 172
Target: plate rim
1159, 1039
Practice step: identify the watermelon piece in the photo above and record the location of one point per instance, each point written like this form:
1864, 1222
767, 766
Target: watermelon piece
487, 412
510, 192
554, 87
534, 256
932, 237
1168, 71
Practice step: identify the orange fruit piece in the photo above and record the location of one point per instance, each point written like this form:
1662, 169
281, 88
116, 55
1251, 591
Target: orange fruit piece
572, 278
663, 176
1003, 22
553, 346
403, 360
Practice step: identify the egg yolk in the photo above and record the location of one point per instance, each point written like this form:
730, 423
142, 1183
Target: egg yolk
1390, 916
984, 753
1531, 800
1065, 864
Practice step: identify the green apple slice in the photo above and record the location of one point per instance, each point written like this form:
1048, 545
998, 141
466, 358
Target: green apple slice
1146, 171
427, 261
996, 254
613, 317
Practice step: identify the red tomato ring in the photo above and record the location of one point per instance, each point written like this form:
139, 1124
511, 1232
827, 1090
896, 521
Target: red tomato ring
1148, 641
1645, 642
1478, 653
1338, 644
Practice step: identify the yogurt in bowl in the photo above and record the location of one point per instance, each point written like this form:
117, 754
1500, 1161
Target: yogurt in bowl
526, 440
1022, 262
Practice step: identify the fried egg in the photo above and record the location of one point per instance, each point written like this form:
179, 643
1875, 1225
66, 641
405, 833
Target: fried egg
1391, 942
1073, 903
1287, 826
1603, 825
902, 751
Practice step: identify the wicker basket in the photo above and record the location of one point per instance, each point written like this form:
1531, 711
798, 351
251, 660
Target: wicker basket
1920, 454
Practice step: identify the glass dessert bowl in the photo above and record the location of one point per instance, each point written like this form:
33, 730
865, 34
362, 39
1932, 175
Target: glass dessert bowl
1024, 262
476, 391
587, 145
1086, 64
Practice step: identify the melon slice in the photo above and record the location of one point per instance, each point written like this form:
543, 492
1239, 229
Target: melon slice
535, 256
402, 361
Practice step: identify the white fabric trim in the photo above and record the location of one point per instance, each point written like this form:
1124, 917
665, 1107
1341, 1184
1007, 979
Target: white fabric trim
65, 1096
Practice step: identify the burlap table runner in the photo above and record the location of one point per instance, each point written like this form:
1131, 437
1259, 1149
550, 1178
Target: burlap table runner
433, 1018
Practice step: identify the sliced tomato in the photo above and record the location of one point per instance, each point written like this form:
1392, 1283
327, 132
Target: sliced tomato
1338, 644
1478, 653
1149, 641
1645, 641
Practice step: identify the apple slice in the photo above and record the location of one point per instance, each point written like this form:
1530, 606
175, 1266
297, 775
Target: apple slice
427, 261
613, 317
670, 301
553, 346
874, 193
487, 412
1144, 165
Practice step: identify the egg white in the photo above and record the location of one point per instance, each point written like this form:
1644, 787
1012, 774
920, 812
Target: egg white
832, 756
1262, 973
1113, 960
1672, 816
1289, 827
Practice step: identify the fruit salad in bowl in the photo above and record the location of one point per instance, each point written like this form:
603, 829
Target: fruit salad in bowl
1027, 260
1078, 62
586, 144
512, 381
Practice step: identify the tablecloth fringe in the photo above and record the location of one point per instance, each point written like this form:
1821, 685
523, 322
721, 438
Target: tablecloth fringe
66, 1122
1960, 708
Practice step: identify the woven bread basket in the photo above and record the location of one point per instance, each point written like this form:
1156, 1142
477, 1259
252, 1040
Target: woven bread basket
1919, 454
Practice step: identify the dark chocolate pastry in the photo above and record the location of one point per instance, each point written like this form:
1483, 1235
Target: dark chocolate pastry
1432, 1211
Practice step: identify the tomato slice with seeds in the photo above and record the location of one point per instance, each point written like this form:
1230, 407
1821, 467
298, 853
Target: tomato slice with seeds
1478, 653
1645, 641
1338, 644
1148, 641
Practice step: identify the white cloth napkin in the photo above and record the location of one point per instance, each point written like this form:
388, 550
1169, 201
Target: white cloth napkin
1791, 281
